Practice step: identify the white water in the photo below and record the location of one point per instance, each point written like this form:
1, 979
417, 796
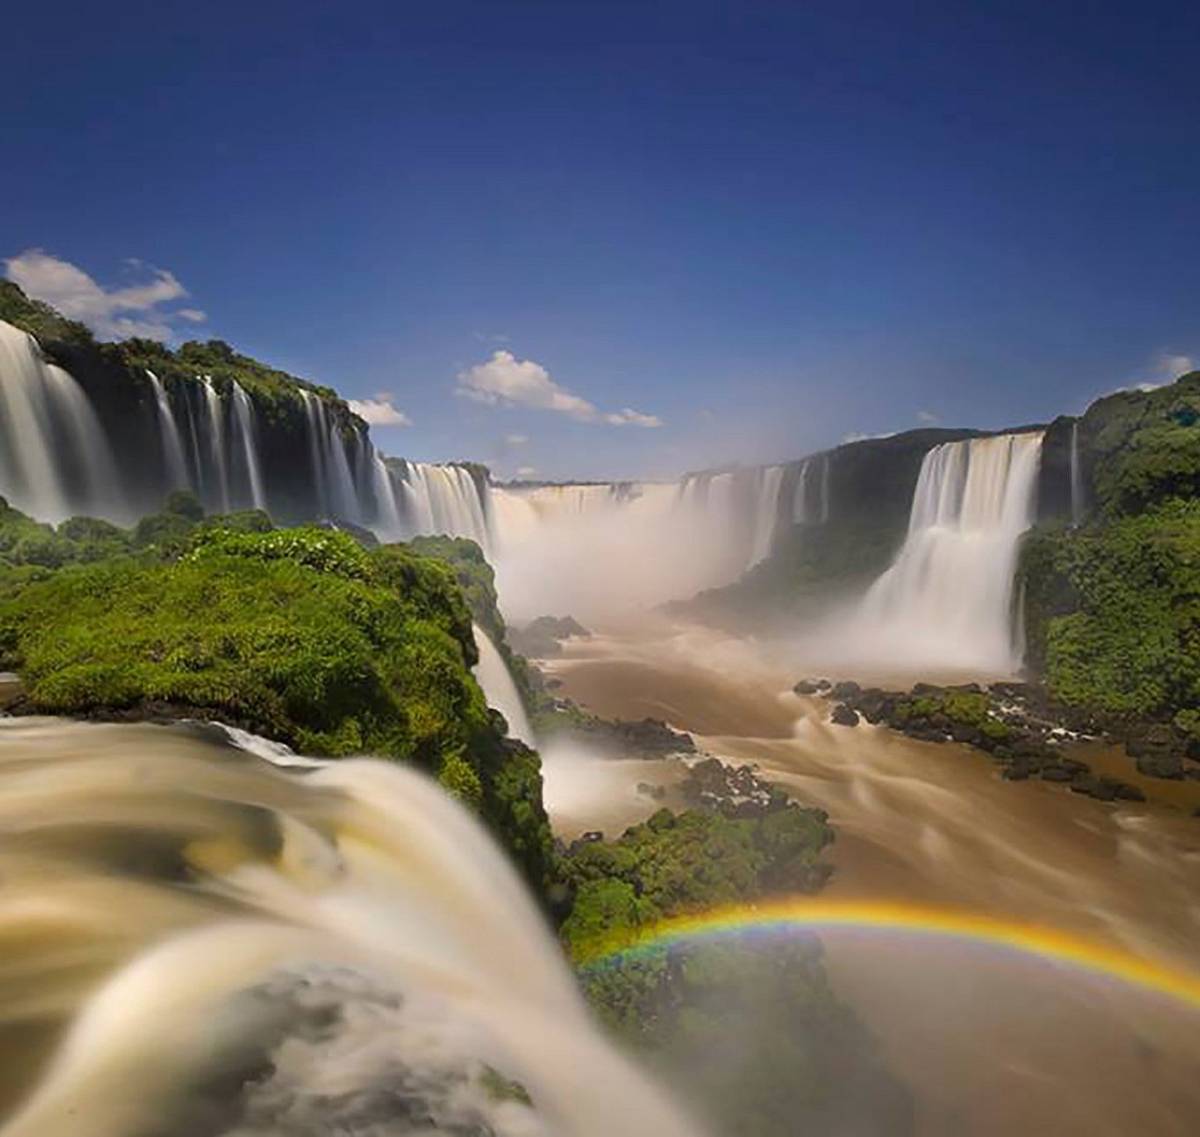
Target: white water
243, 422
176, 462
947, 601
443, 500
501, 692
54, 460
357, 888
215, 429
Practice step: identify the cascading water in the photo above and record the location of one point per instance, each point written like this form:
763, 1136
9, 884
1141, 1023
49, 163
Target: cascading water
215, 429
800, 515
54, 459
199, 941
243, 421
493, 676
443, 500
946, 602
766, 513
175, 461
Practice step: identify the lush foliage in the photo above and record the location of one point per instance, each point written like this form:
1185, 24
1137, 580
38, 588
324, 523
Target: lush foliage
803, 1062
37, 318
1142, 448
1113, 611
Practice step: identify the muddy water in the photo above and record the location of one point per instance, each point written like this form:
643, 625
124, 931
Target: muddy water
991, 1043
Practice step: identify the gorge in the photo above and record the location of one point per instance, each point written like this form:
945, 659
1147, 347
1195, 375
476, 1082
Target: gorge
192, 537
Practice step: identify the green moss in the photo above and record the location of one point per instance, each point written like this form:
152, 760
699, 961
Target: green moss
1113, 611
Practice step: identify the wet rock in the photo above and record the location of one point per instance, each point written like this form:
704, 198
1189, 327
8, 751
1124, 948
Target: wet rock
844, 715
847, 689
591, 837
10, 689
655, 792
543, 638
735, 791
807, 687
1156, 765
1056, 772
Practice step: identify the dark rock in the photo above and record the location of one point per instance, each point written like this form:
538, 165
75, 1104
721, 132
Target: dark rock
807, 687
847, 689
542, 638
655, 792
1160, 766
591, 837
1055, 772
844, 715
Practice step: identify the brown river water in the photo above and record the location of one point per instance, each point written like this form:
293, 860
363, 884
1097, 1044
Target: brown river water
991, 1042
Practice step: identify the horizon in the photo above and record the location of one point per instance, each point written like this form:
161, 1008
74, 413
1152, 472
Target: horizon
581, 240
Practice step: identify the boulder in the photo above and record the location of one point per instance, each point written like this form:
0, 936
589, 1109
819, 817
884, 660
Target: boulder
844, 715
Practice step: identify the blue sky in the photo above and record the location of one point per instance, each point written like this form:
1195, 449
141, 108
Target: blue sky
761, 226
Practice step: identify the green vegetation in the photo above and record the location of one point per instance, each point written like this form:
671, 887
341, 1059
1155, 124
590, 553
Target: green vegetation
298, 634
39, 319
956, 707
1113, 611
805, 1063
1142, 448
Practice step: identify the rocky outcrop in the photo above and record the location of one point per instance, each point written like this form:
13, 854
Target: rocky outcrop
543, 638
1013, 723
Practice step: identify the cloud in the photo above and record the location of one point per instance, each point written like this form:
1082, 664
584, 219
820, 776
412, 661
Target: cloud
858, 436
1169, 367
928, 418
526, 471
516, 439
630, 417
505, 380
379, 411
112, 313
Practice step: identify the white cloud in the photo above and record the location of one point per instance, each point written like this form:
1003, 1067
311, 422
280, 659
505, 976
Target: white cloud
928, 418
1169, 367
526, 471
858, 436
505, 380
379, 411
630, 417
112, 313
516, 439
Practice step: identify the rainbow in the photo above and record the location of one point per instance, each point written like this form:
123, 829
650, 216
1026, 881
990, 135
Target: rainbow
781, 916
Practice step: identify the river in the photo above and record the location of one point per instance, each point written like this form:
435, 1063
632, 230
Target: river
991, 1042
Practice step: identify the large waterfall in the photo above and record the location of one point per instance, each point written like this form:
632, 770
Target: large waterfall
54, 458
205, 434
200, 941
947, 600
591, 550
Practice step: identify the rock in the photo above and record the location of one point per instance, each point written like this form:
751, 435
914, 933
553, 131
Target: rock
10, 689
655, 792
542, 638
591, 837
847, 689
1056, 772
844, 715
807, 687
1160, 766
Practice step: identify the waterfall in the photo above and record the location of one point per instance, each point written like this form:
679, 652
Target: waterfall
800, 495
346, 950
54, 458
389, 523
1076, 484
243, 421
947, 598
825, 474
176, 463
215, 412
444, 500
766, 513
492, 674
